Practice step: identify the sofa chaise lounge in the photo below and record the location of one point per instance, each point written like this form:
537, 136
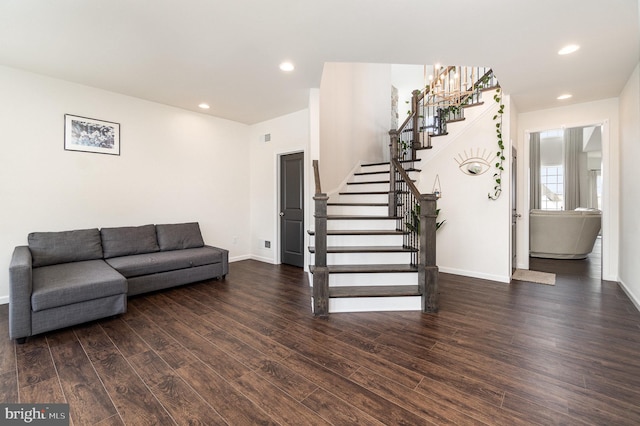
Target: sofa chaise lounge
66, 278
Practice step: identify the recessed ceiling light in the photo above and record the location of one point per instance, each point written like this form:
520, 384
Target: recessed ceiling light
563, 97
568, 49
287, 66
203, 106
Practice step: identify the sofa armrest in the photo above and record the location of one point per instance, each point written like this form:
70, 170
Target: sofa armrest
20, 289
225, 260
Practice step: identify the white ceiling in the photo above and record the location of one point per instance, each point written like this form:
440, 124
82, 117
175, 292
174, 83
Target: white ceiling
226, 52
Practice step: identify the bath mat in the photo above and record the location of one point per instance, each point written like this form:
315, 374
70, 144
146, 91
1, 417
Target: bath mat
534, 277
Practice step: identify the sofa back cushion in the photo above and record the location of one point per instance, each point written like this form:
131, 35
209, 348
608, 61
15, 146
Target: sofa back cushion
179, 236
50, 248
126, 240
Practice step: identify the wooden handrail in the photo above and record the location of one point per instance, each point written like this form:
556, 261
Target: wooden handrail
407, 121
406, 178
316, 176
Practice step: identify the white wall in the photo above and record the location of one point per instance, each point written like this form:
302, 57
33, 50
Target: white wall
289, 134
603, 112
355, 116
474, 241
630, 186
174, 166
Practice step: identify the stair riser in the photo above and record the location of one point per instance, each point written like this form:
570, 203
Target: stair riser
381, 176
362, 240
357, 224
369, 178
377, 168
373, 279
361, 198
358, 210
375, 304
365, 258
366, 187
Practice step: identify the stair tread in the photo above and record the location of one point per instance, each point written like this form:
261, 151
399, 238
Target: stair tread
365, 193
366, 182
361, 232
360, 204
374, 291
359, 217
410, 169
366, 249
473, 104
380, 172
386, 162
375, 268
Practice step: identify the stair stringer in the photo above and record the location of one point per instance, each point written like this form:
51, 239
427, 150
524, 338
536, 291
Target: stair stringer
457, 129
335, 191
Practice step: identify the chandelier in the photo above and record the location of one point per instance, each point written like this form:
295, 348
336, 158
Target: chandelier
449, 86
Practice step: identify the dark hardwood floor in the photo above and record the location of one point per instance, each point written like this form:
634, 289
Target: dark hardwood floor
247, 351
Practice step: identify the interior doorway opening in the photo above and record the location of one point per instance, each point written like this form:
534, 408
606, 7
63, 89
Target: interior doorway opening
566, 175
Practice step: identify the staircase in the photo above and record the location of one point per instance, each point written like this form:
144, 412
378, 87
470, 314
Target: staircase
369, 267
374, 245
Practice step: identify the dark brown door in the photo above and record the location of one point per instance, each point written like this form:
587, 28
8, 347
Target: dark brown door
292, 209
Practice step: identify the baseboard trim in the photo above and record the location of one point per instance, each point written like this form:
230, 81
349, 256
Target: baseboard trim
263, 259
473, 274
630, 295
4, 300
239, 258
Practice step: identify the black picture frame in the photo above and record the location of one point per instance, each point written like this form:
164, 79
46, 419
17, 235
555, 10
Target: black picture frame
91, 135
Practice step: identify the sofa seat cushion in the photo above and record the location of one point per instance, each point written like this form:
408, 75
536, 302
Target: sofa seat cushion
67, 283
153, 263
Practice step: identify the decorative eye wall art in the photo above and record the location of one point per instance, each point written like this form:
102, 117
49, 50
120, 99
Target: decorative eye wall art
474, 164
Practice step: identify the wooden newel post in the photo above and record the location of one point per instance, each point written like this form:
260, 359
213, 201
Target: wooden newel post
393, 134
415, 143
321, 272
427, 269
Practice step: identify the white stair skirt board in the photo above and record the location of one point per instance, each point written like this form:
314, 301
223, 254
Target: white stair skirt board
368, 258
375, 304
373, 279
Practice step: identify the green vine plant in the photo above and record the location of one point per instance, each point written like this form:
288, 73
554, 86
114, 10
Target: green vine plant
497, 176
414, 225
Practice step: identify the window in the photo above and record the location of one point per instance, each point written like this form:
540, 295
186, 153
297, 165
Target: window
552, 181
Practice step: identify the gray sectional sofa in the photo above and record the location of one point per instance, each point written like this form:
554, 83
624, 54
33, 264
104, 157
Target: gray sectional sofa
66, 278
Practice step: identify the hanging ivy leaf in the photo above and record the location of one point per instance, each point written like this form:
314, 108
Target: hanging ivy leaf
497, 189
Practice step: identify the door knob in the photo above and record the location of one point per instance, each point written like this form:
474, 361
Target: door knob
281, 214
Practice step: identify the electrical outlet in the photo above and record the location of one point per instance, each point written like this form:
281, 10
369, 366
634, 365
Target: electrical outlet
267, 244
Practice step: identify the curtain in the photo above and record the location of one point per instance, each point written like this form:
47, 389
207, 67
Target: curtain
593, 189
572, 151
534, 166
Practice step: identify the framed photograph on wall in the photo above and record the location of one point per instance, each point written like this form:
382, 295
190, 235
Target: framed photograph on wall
91, 135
